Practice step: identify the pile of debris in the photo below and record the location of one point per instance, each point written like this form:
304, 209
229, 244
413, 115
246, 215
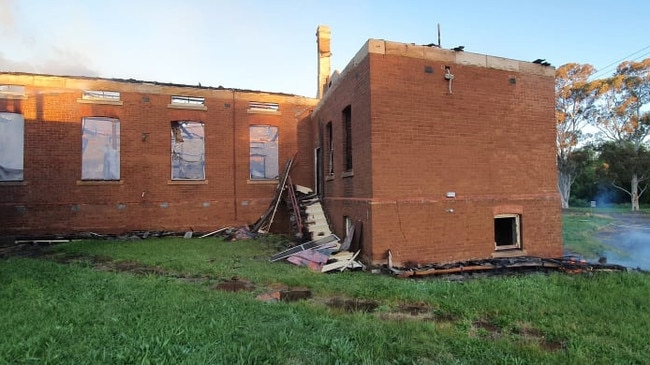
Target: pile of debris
324, 254
499, 266
323, 250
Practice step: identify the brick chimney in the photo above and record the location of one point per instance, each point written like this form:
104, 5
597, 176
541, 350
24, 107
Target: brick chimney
323, 35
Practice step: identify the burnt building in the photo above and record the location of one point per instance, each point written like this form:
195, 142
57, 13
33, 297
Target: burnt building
437, 155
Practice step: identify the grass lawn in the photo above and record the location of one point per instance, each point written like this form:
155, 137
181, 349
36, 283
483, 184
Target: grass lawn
578, 230
155, 301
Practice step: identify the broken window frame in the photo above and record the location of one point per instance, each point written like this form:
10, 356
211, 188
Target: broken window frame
187, 150
101, 95
330, 149
264, 152
347, 138
187, 100
12, 147
100, 149
514, 231
264, 107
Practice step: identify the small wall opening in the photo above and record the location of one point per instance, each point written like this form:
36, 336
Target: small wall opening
507, 231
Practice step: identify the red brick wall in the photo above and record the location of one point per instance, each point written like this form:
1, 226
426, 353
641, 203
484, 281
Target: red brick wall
347, 193
490, 142
51, 199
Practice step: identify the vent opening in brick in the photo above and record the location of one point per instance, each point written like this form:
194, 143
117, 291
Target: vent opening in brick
507, 231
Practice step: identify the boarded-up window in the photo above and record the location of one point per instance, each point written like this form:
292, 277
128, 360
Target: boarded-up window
100, 149
263, 152
12, 132
188, 150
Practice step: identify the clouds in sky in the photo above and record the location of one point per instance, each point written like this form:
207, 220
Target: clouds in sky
24, 52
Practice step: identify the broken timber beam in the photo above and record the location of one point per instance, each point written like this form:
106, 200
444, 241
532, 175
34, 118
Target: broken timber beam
264, 223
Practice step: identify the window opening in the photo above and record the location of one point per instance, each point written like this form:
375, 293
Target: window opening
12, 90
191, 100
188, 150
347, 130
330, 150
100, 149
263, 152
507, 231
100, 95
262, 106
12, 146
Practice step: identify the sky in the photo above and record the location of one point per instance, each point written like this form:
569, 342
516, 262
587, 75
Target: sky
271, 45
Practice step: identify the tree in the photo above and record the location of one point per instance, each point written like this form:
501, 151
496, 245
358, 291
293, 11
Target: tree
622, 119
575, 97
625, 162
585, 185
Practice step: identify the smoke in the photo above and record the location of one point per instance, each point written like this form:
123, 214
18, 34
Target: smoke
22, 52
7, 22
59, 62
630, 247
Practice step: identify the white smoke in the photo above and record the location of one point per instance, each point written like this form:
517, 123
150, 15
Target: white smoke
61, 59
631, 248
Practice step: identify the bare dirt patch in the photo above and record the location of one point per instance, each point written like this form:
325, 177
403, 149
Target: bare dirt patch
353, 305
530, 334
234, 285
485, 328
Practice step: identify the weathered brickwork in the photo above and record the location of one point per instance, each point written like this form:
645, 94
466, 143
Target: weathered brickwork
450, 153
436, 161
52, 198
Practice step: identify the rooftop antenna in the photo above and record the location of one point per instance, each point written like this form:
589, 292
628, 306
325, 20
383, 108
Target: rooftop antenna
439, 44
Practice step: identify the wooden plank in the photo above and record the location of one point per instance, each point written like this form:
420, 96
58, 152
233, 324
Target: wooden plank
264, 223
340, 264
215, 232
348, 262
342, 255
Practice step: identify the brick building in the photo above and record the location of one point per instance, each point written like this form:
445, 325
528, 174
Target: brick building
111, 156
441, 155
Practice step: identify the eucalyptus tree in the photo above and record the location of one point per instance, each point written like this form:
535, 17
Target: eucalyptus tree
575, 97
623, 118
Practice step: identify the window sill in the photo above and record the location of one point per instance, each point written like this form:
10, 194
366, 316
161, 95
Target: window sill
511, 252
99, 182
187, 182
100, 101
13, 183
347, 174
329, 177
187, 107
270, 112
263, 181
13, 97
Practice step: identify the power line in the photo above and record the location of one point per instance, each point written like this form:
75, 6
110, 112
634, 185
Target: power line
616, 63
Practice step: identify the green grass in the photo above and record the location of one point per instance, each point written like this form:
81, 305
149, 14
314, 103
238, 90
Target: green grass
610, 208
578, 230
75, 313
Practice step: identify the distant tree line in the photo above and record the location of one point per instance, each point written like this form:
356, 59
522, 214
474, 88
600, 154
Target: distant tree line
603, 126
